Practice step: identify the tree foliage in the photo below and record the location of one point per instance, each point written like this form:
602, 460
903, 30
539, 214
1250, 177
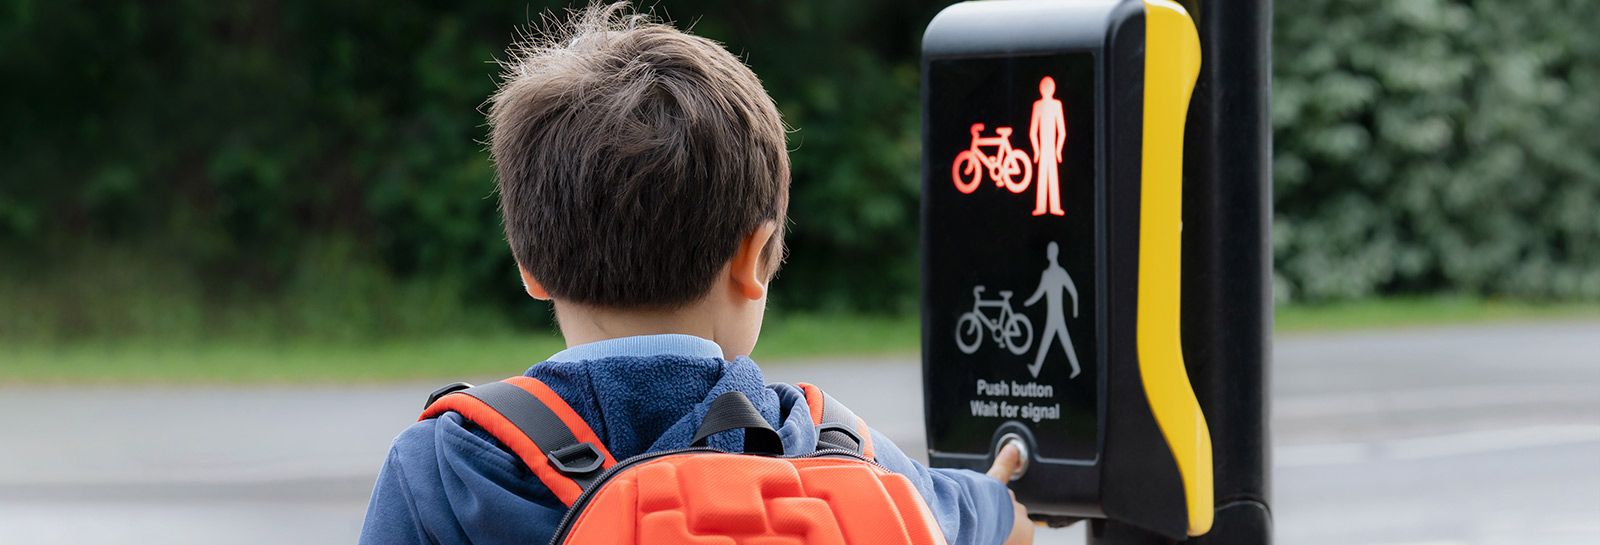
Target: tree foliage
237, 138
1422, 145
1430, 145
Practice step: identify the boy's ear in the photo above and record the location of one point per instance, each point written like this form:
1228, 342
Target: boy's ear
748, 270
533, 287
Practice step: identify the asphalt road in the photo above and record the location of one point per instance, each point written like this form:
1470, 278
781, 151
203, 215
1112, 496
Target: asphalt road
1454, 436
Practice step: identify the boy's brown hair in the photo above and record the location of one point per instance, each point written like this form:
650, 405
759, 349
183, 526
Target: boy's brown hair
632, 159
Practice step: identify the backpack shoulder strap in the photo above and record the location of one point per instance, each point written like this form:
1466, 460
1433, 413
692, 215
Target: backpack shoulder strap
837, 426
538, 426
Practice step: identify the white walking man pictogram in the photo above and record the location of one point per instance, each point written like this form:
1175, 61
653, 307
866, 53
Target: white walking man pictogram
1051, 283
1048, 133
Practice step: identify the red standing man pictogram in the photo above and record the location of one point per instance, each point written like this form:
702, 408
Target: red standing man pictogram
1048, 126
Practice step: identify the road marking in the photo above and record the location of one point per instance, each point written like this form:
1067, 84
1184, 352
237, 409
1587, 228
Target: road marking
1334, 454
240, 473
1491, 441
1436, 446
1438, 398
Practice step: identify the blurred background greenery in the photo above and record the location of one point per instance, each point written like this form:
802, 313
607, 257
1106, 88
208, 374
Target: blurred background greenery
295, 170
1430, 146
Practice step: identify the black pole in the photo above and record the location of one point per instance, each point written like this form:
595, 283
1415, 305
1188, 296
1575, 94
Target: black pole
1227, 259
1227, 267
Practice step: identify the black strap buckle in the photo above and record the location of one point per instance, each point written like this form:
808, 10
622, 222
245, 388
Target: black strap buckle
576, 460
446, 390
826, 440
732, 410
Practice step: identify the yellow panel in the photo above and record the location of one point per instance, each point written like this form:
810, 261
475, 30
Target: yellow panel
1171, 63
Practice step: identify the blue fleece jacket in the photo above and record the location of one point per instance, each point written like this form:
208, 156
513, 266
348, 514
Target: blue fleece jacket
448, 482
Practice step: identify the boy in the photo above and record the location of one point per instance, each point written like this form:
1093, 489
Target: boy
643, 176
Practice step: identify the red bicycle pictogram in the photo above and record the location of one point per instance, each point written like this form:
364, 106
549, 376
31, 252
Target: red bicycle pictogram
1008, 167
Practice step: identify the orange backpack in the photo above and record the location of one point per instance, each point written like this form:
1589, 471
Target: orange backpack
836, 495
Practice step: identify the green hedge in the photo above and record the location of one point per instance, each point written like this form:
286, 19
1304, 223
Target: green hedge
1435, 145
1422, 146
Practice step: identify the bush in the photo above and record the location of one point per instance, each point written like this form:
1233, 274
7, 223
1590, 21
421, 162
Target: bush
237, 137
1436, 145
1422, 146
334, 293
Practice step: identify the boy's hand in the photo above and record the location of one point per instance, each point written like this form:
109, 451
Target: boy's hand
1005, 464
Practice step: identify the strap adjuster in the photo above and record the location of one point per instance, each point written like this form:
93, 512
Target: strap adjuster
826, 441
576, 460
446, 390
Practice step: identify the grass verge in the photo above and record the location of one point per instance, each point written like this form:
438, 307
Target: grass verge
256, 362
462, 356
440, 357
1422, 312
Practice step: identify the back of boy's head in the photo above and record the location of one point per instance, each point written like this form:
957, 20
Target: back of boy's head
633, 159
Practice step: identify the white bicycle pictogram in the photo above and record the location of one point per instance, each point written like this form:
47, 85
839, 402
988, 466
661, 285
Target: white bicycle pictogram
1010, 329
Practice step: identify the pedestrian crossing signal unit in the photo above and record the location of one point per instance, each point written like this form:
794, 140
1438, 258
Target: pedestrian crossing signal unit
1051, 162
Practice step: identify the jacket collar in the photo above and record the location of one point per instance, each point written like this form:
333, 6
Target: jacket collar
670, 344
639, 404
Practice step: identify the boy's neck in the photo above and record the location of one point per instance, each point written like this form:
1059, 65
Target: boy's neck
583, 324
589, 325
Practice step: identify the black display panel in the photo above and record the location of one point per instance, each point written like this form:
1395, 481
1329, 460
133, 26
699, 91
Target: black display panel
1004, 229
